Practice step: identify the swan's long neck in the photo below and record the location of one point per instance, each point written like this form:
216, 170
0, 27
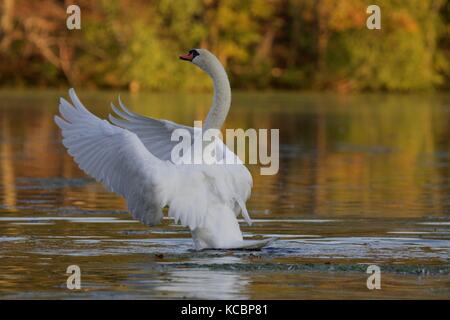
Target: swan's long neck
222, 96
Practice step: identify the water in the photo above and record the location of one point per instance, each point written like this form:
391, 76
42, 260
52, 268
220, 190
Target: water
363, 180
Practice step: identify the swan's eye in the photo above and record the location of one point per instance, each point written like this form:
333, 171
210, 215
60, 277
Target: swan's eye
194, 53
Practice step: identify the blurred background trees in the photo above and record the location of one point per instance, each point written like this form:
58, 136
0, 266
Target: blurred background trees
285, 44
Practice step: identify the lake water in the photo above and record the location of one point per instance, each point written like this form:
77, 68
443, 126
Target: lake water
363, 180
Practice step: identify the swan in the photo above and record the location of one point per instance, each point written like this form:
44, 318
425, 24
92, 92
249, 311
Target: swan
131, 155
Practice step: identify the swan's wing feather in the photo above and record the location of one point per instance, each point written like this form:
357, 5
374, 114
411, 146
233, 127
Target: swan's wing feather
113, 156
232, 180
155, 134
121, 160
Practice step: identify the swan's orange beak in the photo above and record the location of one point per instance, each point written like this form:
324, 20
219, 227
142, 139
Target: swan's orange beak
187, 57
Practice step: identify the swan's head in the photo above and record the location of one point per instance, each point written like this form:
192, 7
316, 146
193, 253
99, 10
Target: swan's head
202, 58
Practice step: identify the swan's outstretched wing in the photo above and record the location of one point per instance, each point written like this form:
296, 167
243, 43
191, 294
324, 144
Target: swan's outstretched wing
113, 156
155, 134
118, 158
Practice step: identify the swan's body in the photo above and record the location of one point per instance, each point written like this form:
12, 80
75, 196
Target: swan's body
132, 157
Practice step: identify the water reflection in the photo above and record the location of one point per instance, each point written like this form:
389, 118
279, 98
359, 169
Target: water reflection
204, 284
358, 175
7, 169
363, 155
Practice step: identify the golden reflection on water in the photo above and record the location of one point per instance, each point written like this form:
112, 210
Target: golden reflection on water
8, 183
371, 165
362, 155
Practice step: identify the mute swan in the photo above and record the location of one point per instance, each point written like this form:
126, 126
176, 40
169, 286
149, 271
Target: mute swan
131, 156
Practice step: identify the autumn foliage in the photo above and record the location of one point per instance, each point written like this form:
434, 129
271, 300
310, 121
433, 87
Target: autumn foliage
285, 44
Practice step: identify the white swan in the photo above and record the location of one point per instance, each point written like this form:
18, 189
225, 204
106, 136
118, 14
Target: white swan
132, 157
